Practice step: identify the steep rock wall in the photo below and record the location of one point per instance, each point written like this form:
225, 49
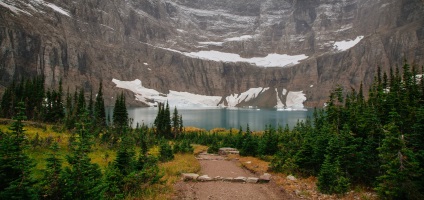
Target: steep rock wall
116, 39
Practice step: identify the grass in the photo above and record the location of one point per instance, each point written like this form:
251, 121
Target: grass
101, 155
302, 187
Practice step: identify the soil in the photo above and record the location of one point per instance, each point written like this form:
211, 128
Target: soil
214, 165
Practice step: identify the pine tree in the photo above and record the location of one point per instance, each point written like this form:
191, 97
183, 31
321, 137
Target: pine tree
175, 123
81, 105
15, 166
163, 121
330, 179
99, 108
91, 105
120, 113
50, 183
399, 164
125, 157
165, 151
81, 179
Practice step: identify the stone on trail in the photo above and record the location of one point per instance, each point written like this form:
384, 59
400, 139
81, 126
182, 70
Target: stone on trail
230, 179
240, 179
190, 176
204, 178
217, 178
252, 180
227, 150
291, 177
265, 178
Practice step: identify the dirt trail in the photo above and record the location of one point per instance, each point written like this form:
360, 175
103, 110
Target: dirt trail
213, 165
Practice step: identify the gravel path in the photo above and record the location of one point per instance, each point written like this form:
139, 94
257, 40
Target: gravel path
212, 166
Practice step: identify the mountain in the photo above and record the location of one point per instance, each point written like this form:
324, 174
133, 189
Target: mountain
264, 53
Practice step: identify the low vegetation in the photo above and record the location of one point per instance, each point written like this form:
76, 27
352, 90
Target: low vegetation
355, 142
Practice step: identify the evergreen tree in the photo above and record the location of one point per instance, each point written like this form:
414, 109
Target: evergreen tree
50, 183
120, 114
91, 105
99, 108
400, 166
80, 103
81, 179
15, 166
163, 121
125, 157
175, 122
165, 151
331, 179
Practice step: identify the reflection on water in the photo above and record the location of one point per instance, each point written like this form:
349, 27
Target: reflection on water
224, 118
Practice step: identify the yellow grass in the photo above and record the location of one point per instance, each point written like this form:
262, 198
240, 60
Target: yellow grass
182, 163
304, 187
102, 155
199, 149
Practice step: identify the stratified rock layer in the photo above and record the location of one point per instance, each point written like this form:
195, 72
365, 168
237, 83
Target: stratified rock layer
88, 41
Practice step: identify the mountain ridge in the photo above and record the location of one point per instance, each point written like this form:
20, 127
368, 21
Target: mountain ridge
101, 41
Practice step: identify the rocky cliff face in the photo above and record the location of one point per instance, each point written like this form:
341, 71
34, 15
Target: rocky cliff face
83, 42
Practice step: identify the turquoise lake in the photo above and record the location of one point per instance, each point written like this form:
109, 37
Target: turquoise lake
208, 119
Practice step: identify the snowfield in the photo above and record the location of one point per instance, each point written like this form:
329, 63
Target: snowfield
33, 5
347, 44
271, 60
250, 94
188, 100
180, 99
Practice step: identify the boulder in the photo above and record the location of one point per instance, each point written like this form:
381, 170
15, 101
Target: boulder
265, 178
190, 176
204, 178
240, 179
227, 150
230, 179
252, 180
291, 177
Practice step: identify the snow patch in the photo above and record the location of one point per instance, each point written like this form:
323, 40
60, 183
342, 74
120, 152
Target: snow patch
347, 44
241, 38
58, 9
234, 99
212, 43
151, 97
295, 100
12, 8
271, 60
311, 86
280, 104
188, 100
146, 64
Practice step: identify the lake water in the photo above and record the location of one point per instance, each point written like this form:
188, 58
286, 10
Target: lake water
225, 118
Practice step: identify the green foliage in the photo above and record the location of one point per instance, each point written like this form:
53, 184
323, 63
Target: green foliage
120, 113
163, 122
330, 179
15, 166
125, 158
165, 151
250, 144
50, 183
81, 179
214, 147
99, 108
183, 146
